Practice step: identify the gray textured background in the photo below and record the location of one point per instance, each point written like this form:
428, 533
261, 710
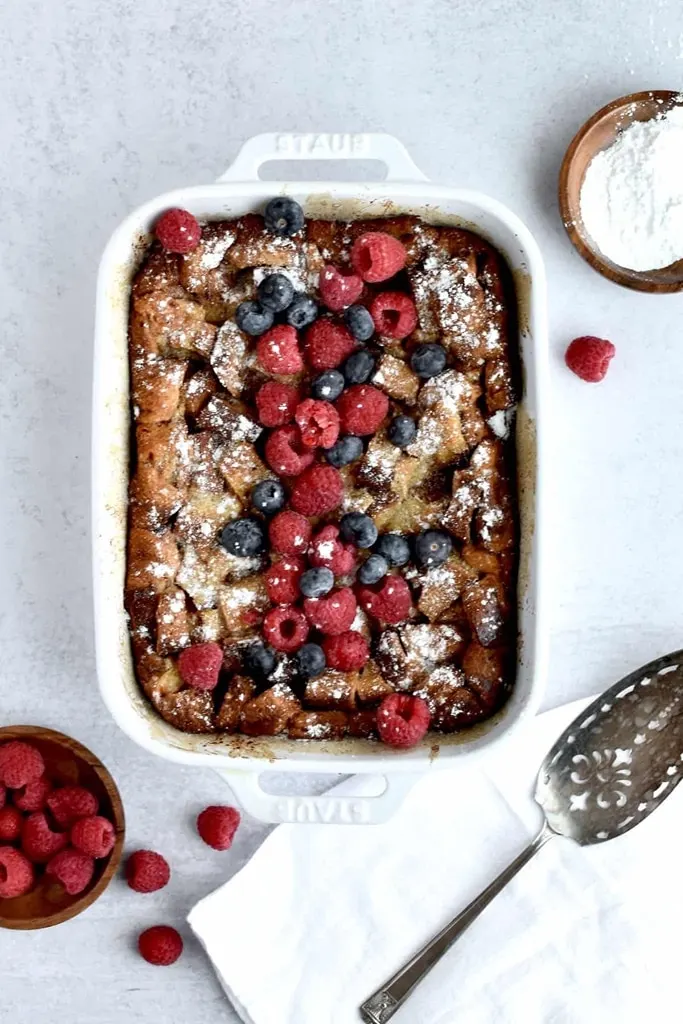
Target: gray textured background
105, 103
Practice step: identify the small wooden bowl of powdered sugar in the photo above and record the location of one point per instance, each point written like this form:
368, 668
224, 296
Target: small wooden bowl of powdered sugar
621, 191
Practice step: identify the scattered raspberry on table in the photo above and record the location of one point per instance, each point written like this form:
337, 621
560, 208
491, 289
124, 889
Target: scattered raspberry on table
147, 871
160, 945
217, 826
589, 358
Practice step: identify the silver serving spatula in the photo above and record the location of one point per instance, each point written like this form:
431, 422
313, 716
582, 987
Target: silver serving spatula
612, 767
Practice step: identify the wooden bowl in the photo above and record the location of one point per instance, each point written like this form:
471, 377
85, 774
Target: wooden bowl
597, 134
69, 763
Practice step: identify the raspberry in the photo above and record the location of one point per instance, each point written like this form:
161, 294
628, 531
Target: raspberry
70, 803
347, 651
285, 453
3, 796
318, 490
147, 871
38, 841
390, 601
394, 314
160, 945
278, 350
16, 873
178, 231
282, 579
94, 836
276, 403
332, 614
200, 665
318, 422
327, 345
329, 552
339, 290
217, 826
589, 358
377, 256
362, 408
20, 763
10, 824
289, 533
285, 628
402, 720
33, 796
73, 869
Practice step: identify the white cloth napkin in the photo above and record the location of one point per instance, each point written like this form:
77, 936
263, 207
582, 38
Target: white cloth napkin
322, 915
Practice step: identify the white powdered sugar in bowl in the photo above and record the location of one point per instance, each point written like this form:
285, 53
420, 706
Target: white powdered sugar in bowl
632, 194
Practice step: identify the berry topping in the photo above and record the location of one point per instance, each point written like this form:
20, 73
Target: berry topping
3, 796
359, 322
589, 358
38, 841
401, 431
276, 403
276, 292
328, 386
244, 537
160, 945
289, 533
252, 318
178, 231
147, 871
377, 256
95, 836
373, 569
283, 216
347, 651
394, 314
428, 360
327, 345
10, 824
328, 551
332, 614
389, 601
362, 408
432, 547
200, 665
310, 660
318, 422
258, 661
268, 497
285, 628
217, 826
33, 797
302, 312
359, 367
358, 529
338, 290
70, 803
316, 582
278, 350
318, 490
345, 451
20, 763
16, 873
285, 452
283, 578
394, 548
402, 720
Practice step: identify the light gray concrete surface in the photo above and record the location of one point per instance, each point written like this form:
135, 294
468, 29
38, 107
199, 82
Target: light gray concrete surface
105, 104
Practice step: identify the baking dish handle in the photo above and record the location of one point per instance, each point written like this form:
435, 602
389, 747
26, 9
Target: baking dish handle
328, 809
260, 149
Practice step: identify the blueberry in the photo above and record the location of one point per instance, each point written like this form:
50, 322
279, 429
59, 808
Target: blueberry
259, 661
359, 322
345, 451
244, 538
394, 548
252, 318
316, 582
283, 216
401, 431
432, 547
268, 497
428, 360
276, 292
359, 367
359, 529
328, 386
310, 660
373, 569
302, 311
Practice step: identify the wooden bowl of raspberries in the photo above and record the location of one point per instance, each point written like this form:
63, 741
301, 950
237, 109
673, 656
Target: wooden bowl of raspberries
61, 827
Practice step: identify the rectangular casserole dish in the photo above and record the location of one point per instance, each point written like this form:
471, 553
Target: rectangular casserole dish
237, 192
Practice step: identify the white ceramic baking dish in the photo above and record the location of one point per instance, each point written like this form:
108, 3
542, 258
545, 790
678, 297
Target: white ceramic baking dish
236, 192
